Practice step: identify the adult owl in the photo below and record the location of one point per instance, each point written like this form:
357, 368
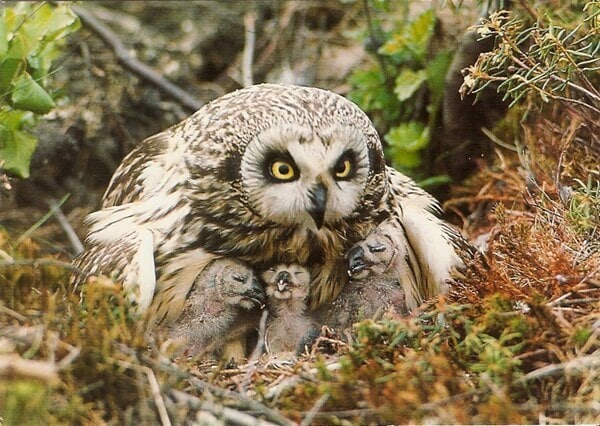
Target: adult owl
269, 174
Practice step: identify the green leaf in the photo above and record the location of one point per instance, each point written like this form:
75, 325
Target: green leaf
16, 151
408, 82
15, 119
9, 68
4, 135
19, 47
53, 24
30, 96
404, 159
13, 15
421, 30
411, 41
411, 136
433, 181
437, 69
405, 142
3, 38
369, 92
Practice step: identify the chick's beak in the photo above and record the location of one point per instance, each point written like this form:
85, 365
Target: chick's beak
356, 260
283, 279
256, 293
318, 197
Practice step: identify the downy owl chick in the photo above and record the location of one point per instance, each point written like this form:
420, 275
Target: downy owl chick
289, 327
224, 304
376, 266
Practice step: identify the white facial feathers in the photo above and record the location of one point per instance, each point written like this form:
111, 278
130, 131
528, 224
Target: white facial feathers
286, 166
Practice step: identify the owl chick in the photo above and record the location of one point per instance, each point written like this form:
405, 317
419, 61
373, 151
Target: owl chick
223, 305
269, 174
376, 267
289, 327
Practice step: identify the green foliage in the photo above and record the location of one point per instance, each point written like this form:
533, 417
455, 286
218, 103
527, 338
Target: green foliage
31, 35
26, 402
584, 205
553, 60
402, 90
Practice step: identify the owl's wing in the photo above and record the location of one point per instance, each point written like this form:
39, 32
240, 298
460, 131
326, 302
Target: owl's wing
128, 259
434, 246
142, 219
156, 166
408, 270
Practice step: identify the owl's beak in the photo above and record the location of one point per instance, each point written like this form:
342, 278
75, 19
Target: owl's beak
318, 197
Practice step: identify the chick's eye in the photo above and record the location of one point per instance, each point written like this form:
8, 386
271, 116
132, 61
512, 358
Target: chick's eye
343, 169
239, 278
282, 170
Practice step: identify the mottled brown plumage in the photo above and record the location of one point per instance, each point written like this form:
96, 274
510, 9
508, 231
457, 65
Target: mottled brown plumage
222, 306
268, 175
378, 268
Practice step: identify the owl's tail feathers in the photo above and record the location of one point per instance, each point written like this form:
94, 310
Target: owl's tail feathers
128, 260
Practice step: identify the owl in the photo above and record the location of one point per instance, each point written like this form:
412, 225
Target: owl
289, 326
269, 174
223, 305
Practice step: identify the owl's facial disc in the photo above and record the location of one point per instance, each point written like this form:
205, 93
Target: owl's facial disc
296, 175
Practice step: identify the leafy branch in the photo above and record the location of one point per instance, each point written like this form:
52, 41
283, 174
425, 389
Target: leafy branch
403, 88
30, 39
549, 60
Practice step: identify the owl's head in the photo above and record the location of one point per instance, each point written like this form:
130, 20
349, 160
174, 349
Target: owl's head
296, 175
308, 157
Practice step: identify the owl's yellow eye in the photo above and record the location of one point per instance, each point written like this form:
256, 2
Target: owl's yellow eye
343, 169
282, 170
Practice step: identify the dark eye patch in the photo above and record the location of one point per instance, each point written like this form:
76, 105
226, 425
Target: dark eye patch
345, 167
284, 157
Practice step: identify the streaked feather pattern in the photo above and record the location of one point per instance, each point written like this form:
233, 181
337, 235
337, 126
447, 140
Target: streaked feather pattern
200, 191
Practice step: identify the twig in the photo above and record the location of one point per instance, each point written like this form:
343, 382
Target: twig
577, 364
229, 415
431, 406
243, 401
133, 64
14, 314
154, 387
42, 262
291, 381
248, 54
68, 359
41, 221
66, 226
238, 399
308, 419
359, 412
14, 365
158, 399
